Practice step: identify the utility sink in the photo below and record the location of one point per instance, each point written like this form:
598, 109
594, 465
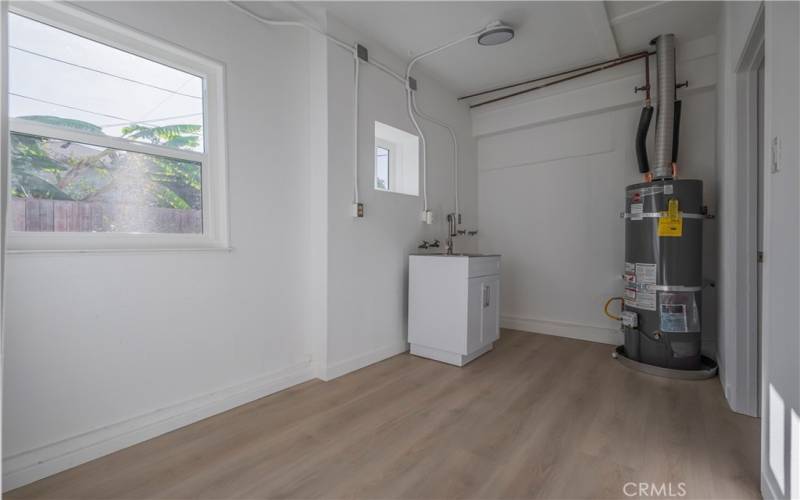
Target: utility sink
453, 306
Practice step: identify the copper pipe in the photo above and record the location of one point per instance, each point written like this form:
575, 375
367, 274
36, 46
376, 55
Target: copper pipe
606, 65
498, 89
554, 75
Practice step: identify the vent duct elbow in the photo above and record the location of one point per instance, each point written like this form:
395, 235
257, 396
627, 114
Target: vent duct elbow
665, 116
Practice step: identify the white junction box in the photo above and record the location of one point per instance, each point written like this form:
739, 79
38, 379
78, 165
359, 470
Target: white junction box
453, 306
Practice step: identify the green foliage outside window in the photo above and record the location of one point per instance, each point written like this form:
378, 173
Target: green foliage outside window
56, 169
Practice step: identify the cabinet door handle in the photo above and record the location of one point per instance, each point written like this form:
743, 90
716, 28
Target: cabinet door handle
487, 295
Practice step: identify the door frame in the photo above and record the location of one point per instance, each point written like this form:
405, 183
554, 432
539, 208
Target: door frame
747, 316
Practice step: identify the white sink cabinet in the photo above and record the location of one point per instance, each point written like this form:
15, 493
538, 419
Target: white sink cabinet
453, 306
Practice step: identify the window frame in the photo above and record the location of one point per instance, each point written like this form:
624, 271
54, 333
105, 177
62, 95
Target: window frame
213, 158
391, 150
403, 149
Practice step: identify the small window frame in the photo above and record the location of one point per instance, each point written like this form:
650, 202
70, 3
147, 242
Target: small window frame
393, 151
403, 159
213, 158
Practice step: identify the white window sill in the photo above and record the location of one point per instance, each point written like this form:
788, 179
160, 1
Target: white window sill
389, 191
107, 243
118, 250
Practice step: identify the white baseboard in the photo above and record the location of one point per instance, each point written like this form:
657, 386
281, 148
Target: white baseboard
32, 465
578, 331
360, 361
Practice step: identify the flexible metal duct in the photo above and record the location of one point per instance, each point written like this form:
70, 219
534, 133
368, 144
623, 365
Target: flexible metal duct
665, 67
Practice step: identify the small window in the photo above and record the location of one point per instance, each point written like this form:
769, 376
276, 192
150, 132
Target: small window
110, 135
396, 160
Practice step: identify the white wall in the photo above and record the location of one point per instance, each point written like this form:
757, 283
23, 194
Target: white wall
780, 341
368, 258
106, 350
737, 326
552, 173
3, 191
100, 345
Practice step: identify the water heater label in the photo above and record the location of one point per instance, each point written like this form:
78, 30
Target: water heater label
646, 273
646, 191
640, 278
671, 222
673, 318
668, 227
646, 301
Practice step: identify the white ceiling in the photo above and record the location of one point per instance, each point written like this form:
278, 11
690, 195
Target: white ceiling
551, 36
636, 23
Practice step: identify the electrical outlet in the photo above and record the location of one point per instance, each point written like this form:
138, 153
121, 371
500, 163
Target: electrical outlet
358, 210
427, 217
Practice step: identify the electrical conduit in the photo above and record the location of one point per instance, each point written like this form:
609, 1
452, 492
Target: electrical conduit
409, 99
455, 150
352, 50
356, 66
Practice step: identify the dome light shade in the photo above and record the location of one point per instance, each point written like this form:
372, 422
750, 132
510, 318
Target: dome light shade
496, 35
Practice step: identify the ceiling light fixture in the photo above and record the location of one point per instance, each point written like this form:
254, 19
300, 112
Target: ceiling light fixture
496, 33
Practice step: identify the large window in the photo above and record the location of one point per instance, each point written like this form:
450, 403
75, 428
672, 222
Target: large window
116, 140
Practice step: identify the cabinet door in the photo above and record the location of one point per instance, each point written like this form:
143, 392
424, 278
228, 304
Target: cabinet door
490, 309
475, 315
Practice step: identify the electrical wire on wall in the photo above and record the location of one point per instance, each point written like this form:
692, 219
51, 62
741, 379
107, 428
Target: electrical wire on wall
455, 150
356, 203
357, 207
426, 215
411, 105
295, 24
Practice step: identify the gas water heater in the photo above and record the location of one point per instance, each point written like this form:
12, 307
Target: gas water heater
662, 301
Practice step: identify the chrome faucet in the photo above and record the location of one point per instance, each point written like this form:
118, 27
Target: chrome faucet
452, 231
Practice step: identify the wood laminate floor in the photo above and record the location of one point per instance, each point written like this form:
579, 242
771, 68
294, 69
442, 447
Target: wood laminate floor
538, 417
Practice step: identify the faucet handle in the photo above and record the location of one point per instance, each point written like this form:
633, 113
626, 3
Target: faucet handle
435, 244
461, 231
473, 233
424, 245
